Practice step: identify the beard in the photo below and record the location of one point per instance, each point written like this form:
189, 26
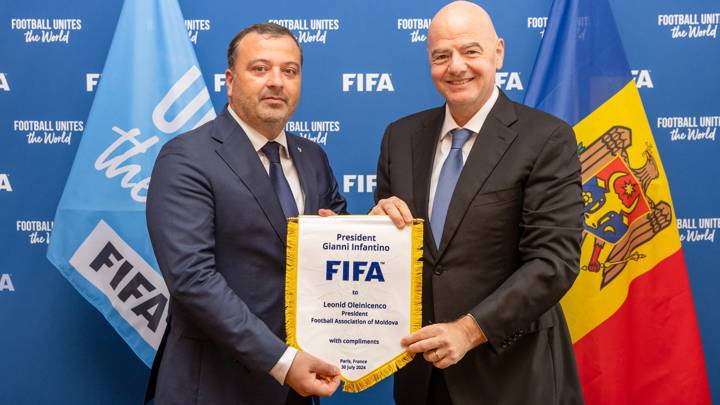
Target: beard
272, 114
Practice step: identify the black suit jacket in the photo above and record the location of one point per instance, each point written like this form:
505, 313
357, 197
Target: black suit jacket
218, 233
509, 251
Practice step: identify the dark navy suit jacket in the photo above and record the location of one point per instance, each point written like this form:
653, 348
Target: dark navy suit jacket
218, 233
509, 251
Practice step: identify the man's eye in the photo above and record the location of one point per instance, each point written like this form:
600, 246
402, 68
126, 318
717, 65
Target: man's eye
260, 68
290, 72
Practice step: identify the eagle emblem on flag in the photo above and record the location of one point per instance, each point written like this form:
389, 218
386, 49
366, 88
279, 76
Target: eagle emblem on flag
619, 214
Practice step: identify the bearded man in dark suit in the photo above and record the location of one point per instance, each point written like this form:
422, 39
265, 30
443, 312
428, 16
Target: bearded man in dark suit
217, 214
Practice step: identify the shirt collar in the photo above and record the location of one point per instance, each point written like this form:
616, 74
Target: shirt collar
477, 120
257, 139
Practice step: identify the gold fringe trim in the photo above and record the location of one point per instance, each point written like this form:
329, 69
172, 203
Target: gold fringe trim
416, 268
379, 374
291, 276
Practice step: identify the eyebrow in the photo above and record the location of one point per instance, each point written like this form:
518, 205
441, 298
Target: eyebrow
260, 60
472, 45
462, 48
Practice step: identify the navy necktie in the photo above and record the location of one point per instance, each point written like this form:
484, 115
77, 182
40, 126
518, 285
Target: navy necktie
447, 180
278, 180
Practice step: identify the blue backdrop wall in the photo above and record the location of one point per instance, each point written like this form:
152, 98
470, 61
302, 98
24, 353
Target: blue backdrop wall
55, 347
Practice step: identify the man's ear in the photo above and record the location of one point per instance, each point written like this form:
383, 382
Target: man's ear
499, 54
228, 82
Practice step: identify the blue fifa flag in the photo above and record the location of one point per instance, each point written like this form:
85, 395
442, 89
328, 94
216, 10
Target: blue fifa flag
151, 90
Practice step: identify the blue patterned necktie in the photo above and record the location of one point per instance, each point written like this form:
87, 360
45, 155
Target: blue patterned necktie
447, 180
278, 180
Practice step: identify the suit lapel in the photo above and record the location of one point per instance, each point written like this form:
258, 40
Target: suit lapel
493, 140
424, 143
238, 153
302, 165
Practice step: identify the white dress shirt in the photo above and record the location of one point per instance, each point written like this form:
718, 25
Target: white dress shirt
281, 368
443, 146
258, 140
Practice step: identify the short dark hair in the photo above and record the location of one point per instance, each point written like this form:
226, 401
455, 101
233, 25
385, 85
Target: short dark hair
270, 29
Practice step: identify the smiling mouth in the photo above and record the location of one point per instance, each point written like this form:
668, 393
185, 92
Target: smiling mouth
459, 82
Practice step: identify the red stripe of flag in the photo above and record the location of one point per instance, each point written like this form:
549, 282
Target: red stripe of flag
649, 351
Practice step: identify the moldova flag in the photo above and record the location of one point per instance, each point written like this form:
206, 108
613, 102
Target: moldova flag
630, 312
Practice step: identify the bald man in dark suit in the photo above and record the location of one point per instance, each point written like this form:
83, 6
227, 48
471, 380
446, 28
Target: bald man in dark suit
499, 186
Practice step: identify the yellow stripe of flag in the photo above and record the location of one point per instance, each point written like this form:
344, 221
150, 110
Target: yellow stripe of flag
587, 305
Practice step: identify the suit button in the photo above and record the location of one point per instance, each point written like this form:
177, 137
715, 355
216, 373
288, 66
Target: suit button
438, 270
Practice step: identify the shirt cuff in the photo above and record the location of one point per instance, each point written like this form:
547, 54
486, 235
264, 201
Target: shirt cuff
483, 337
281, 368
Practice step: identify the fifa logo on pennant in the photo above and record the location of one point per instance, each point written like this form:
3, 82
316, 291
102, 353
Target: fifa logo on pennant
354, 270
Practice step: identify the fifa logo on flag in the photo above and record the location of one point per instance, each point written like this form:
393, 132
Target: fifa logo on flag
114, 164
136, 290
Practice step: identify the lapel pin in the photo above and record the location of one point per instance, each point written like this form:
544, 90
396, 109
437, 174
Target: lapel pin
299, 149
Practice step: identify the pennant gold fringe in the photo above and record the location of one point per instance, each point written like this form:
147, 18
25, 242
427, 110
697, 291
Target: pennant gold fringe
416, 267
291, 275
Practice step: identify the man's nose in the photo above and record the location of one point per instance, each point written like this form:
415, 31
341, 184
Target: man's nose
275, 79
457, 63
